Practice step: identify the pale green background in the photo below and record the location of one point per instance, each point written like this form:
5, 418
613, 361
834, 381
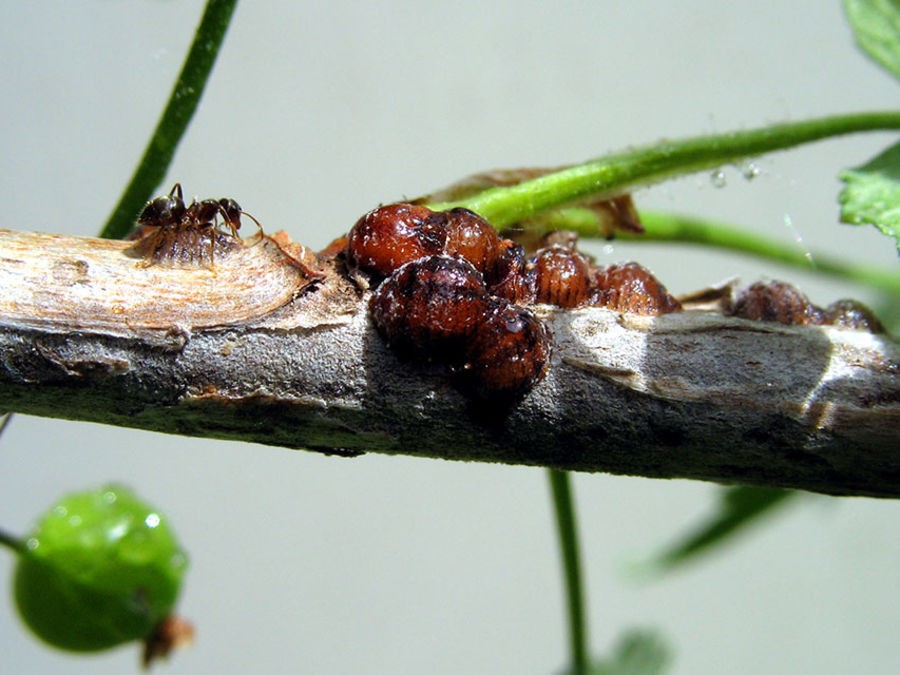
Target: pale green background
317, 112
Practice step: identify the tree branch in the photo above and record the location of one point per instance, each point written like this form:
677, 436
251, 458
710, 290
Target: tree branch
255, 348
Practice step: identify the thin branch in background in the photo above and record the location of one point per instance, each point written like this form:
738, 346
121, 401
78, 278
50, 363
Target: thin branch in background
13, 543
175, 118
4, 422
567, 528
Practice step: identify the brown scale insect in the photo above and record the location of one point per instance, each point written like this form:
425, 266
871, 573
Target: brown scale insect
775, 301
560, 276
169, 231
782, 302
510, 280
631, 288
852, 315
507, 355
430, 307
390, 236
471, 237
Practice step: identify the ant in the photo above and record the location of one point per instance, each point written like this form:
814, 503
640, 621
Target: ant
170, 230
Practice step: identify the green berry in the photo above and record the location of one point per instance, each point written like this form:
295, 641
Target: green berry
101, 568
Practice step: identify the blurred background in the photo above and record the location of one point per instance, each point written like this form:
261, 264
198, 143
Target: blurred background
317, 112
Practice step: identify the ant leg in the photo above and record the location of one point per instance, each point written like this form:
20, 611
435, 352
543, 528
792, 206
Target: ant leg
212, 250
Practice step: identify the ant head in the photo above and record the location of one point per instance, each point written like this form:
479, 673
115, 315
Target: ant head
231, 212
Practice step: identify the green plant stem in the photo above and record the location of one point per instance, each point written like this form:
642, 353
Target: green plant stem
668, 227
625, 171
690, 230
175, 118
568, 541
13, 543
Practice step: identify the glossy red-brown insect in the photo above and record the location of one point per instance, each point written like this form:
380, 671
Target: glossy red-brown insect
471, 237
560, 276
631, 288
430, 307
168, 230
853, 315
507, 354
509, 279
776, 301
393, 235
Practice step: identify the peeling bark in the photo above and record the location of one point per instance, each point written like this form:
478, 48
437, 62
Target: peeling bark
258, 349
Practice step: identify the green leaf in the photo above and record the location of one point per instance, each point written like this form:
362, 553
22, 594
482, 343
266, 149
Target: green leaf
738, 507
872, 193
638, 652
876, 24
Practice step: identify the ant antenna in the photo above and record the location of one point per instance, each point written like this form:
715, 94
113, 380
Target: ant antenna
255, 221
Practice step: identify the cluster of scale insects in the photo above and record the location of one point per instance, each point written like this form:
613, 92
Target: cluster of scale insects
448, 289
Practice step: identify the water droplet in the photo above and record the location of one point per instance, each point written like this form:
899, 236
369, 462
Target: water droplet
32, 543
152, 520
60, 510
75, 521
116, 532
717, 178
608, 249
749, 170
109, 497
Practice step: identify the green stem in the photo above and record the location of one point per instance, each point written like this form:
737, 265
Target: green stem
668, 227
568, 541
690, 230
4, 421
175, 118
625, 171
13, 543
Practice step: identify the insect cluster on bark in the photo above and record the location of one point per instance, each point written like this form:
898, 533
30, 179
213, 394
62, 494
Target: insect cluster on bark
449, 289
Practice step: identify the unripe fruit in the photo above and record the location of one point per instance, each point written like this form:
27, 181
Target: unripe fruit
101, 568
